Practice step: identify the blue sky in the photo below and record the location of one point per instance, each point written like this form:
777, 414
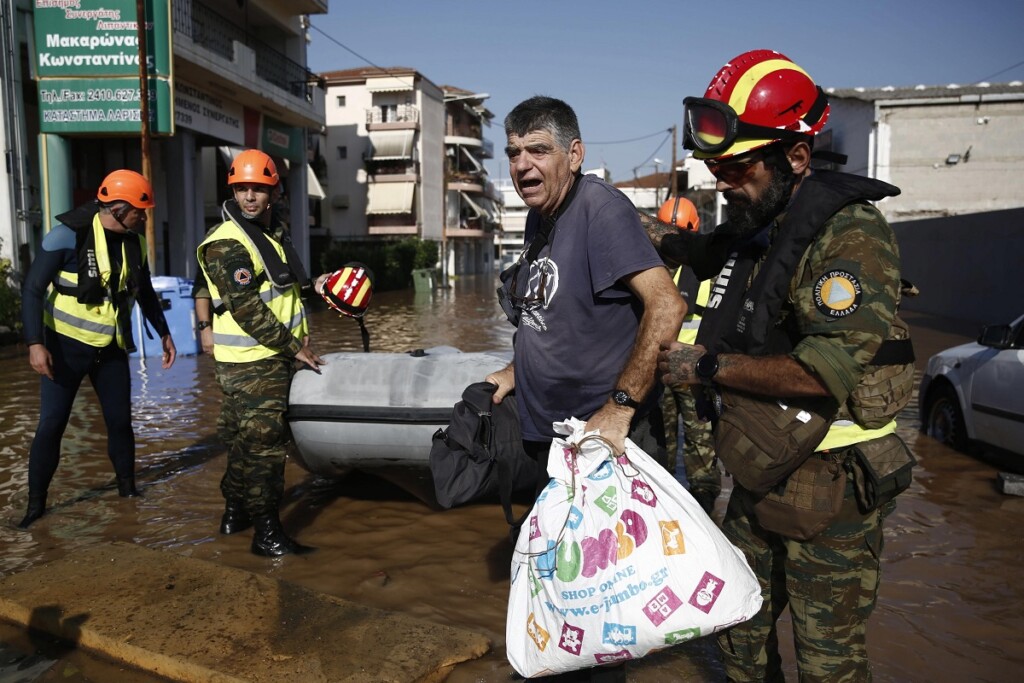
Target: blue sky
626, 66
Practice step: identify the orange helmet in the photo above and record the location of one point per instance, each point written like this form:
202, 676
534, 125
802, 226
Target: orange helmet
756, 99
680, 212
348, 290
253, 166
128, 186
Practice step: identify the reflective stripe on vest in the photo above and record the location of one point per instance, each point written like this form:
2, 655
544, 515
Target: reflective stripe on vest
231, 344
845, 433
691, 321
92, 324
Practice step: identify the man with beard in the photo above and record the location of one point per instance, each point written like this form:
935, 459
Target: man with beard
806, 291
255, 280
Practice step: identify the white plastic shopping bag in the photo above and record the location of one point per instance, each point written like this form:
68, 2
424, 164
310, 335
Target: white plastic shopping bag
616, 560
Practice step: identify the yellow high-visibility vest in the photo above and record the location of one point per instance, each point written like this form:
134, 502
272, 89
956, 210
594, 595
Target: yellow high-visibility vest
92, 324
231, 344
691, 321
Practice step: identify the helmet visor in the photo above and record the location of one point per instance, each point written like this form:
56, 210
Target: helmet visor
713, 129
709, 126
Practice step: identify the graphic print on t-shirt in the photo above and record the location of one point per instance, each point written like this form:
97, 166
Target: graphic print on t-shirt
540, 291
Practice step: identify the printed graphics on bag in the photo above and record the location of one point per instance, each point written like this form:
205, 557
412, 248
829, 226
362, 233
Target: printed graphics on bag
707, 593
536, 632
572, 638
662, 606
618, 634
681, 636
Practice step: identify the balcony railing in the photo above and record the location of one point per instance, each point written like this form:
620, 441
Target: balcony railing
402, 113
217, 34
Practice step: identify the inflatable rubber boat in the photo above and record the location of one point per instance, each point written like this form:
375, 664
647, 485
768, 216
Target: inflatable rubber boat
376, 411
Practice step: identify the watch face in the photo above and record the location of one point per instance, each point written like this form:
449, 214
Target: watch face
621, 397
707, 366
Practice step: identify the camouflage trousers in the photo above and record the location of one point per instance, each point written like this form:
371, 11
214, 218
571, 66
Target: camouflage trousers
252, 425
830, 584
699, 461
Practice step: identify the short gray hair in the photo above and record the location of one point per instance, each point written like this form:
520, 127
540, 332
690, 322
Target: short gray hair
544, 113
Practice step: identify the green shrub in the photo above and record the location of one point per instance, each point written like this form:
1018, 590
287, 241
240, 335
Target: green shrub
392, 262
10, 298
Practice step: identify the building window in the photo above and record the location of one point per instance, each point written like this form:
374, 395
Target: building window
341, 100
389, 113
343, 152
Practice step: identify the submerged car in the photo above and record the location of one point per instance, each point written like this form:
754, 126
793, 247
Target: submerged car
974, 393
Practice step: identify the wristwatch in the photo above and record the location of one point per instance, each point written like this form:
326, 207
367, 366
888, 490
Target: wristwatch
203, 324
622, 398
706, 367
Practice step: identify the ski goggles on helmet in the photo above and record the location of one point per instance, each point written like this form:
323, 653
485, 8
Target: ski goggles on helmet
711, 127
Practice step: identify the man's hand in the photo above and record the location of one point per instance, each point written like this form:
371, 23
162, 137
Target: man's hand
504, 379
676, 363
40, 359
170, 352
613, 422
308, 356
318, 285
206, 339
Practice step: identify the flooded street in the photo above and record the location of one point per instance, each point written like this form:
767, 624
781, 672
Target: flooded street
951, 601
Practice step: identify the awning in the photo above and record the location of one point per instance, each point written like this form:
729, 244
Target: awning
389, 84
391, 144
480, 213
389, 198
313, 187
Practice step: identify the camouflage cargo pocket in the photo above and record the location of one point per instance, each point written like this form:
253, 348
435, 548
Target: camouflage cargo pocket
807, 502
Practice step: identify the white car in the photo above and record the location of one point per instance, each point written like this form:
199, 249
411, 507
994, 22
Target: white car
975, 392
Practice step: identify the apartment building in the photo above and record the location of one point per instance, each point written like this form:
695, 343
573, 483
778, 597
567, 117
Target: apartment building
404, 157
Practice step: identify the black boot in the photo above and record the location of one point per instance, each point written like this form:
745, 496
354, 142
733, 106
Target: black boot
270, 540
235, 518
36, 508
126, 487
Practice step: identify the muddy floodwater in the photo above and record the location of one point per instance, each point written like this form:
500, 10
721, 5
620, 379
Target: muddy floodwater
951, 606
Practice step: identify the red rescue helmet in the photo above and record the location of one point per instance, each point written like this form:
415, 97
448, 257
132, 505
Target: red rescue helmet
680, 212
348, 290
128, 186
757, 98
253, 166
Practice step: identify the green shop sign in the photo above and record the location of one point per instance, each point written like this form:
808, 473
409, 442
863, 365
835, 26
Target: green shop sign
102, 105
99, 38
87, 66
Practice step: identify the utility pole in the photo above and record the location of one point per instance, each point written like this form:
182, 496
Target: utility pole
672, 190
147, 172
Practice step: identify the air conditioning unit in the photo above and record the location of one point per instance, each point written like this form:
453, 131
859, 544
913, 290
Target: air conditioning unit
339, 201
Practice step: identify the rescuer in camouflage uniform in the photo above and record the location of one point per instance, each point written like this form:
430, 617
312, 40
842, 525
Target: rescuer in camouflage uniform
835, 303
259, 329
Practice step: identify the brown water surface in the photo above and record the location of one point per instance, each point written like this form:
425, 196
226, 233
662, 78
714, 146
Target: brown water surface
951, 600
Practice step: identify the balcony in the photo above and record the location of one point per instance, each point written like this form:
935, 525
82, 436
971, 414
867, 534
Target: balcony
210, 43
393, 117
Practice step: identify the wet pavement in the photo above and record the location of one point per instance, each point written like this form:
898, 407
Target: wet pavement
950, 603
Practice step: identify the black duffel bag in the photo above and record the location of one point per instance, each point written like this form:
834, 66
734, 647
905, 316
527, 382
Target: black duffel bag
480, 453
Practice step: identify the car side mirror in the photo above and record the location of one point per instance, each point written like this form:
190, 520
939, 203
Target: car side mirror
996, 336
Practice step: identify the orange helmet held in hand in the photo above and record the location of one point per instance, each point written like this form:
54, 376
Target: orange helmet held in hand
253, 166
680, 212
127, 186
348, 290
757, 98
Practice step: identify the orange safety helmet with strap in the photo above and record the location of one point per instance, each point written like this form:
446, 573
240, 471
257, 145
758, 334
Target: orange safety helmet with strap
127, 186
680, 212
253, 166
757, 98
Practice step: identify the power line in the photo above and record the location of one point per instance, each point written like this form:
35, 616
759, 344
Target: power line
619, 142
656, 150
350, 50
1009, 68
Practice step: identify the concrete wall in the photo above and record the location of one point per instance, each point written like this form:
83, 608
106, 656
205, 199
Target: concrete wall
968, 267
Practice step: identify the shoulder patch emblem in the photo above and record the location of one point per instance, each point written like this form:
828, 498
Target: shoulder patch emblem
837, 293
242, 277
